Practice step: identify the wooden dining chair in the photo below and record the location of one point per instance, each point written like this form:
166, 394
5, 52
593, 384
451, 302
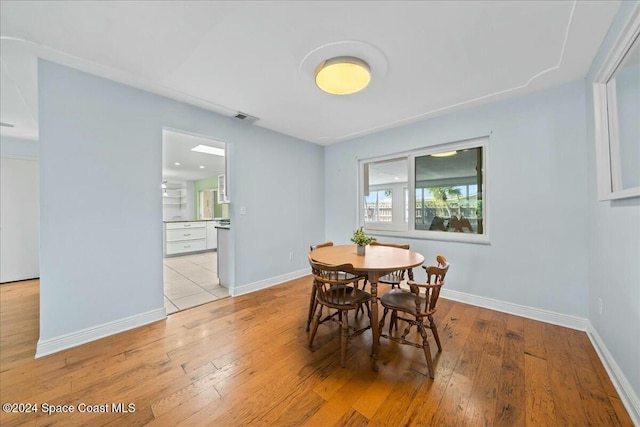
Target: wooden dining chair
312, 300
394, 278
416, 306
340, 293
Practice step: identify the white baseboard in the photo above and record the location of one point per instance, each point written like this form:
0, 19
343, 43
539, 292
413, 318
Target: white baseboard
267, 283
63, 342
625, 391
566, 320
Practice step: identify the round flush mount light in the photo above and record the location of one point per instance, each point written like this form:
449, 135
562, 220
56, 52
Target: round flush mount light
343, 75
359, 61
445, 154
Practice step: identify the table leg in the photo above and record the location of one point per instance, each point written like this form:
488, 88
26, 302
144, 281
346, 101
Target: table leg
373, 283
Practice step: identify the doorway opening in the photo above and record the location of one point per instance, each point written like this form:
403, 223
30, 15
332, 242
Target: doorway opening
191, 214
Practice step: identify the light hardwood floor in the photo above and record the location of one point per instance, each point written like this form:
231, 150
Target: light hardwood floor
244, 361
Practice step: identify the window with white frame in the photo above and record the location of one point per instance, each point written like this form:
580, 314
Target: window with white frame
436, 192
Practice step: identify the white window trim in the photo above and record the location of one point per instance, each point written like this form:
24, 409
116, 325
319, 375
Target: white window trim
427, 234
607, 139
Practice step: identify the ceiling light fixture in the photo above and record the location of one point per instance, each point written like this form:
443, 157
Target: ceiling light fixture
342, 75
445, 154
201, 167
176, 164
209, 150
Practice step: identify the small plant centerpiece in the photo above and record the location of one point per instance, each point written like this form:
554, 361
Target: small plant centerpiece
361, 239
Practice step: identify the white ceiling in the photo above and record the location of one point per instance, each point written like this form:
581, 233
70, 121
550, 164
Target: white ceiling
176, 148
427, 57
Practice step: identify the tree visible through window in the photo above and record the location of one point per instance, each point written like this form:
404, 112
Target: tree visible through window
447, 192
456, 206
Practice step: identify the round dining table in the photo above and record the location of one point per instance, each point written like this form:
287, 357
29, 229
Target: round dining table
375, 263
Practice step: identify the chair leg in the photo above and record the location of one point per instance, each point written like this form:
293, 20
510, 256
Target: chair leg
312, 306
359, 309
426, 348
381, 324
345, 339
314, 327
394, 321
434, 330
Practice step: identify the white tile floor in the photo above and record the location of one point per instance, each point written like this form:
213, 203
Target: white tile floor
191, 280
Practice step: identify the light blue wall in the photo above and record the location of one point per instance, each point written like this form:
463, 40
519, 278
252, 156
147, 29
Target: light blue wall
101, 218
537, 209
614, 246
10, 146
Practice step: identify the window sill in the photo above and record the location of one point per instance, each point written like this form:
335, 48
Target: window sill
479, 239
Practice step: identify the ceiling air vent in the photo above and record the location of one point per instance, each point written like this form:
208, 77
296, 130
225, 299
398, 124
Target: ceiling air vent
246, 118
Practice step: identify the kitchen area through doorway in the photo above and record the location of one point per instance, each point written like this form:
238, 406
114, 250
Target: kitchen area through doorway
195, 209
191, 280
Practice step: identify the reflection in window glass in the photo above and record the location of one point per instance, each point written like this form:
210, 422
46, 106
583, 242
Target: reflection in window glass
448, 192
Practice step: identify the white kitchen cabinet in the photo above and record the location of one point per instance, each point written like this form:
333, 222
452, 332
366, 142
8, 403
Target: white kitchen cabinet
212, 235
185, 237
186, 234
185, 246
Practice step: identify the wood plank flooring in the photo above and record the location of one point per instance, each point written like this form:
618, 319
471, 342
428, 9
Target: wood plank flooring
245, 362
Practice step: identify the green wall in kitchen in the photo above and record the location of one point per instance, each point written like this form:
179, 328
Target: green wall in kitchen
210, 183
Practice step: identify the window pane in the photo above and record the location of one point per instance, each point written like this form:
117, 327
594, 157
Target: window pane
385, 181
443, 197
378, 206
449, 192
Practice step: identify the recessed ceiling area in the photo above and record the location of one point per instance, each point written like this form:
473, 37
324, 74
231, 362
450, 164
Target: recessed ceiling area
192, 165
426, 57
